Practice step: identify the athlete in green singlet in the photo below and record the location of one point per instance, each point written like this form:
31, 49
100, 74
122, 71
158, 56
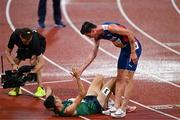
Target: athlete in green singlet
92, 102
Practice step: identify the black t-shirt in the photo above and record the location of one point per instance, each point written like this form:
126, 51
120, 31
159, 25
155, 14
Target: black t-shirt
36, 46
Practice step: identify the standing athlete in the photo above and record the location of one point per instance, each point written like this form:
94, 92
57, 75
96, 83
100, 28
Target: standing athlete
123, 38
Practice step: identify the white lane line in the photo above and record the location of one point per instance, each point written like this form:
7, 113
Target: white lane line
106, 52
152, 109
76, 29
51, 82
165, 106
175, 6
8, 16
140, 30
173, 44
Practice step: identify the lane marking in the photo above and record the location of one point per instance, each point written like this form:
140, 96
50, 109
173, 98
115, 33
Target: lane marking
51, 82
163, 107
140, 30
85, 38
175, 6
172, 44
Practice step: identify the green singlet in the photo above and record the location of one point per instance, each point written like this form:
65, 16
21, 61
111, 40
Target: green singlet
84, 108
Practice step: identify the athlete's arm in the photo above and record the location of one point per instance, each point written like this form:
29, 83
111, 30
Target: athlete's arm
70, 110
91, 57
125, 32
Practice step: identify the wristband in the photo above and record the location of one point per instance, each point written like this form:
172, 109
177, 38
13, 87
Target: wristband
105, 27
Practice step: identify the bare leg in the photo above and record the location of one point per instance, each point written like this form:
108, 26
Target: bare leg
128, 90
105, 92
96, 85
120, 86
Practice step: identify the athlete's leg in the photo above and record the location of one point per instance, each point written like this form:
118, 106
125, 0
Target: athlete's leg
105, 92
128, 90
128, 86
96, 85
120, 86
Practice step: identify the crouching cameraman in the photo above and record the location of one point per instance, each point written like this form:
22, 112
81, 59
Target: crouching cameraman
31, 45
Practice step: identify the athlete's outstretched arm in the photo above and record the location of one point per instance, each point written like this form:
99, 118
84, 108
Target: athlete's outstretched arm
90, 58
80, 85
70, 110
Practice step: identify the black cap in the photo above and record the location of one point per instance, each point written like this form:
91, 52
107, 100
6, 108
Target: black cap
26, 33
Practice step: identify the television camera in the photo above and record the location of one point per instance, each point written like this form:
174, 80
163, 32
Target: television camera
17, 78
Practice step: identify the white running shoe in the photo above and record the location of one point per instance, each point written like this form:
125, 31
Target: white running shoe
119, 113
111, 103
109, 111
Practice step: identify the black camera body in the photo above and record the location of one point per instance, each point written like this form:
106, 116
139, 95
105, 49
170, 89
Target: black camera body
11, 79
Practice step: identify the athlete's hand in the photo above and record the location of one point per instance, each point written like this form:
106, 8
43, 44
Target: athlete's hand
75, 73
134, 57
49, 91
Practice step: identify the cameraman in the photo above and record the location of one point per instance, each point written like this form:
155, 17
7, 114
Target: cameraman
31, 45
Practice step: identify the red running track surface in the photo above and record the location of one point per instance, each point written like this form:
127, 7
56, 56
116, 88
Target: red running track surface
67, 48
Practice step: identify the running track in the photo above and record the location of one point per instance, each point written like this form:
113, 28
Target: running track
155, 23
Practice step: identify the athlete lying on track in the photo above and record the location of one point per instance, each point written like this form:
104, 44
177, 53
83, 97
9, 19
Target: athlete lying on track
92, 102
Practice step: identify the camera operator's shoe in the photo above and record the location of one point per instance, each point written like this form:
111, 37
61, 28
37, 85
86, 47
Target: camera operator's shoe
15, 91
40, 92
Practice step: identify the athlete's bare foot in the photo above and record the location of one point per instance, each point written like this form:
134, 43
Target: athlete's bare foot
130, 108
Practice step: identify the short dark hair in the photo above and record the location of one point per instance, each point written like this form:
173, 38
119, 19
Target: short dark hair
26, 33
87, 27
49, 102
